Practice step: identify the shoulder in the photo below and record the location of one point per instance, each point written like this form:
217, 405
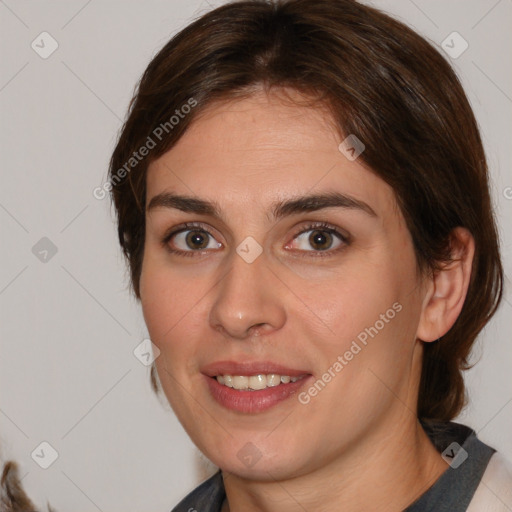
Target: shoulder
206, 497
494, 493
477, 480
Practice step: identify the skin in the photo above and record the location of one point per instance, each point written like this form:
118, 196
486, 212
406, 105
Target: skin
357, 445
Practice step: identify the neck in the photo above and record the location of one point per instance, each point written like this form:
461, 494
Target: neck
386, 473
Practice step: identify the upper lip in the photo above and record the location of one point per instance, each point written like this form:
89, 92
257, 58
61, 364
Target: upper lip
250, 368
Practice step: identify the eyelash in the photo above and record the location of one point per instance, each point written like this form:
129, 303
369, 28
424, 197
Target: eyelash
320, 226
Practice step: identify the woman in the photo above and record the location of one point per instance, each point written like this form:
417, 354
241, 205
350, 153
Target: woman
308, 261
302, 197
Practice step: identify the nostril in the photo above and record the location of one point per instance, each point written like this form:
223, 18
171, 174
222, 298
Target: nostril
256, 329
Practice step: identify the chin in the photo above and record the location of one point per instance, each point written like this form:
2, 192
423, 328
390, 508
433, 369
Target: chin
252, 464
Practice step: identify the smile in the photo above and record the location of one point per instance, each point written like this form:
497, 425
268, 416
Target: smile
255, 382
256, 393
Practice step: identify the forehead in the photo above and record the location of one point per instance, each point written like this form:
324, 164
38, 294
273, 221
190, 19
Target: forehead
256, 150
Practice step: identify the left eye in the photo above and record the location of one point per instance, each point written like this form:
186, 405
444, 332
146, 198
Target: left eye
321, 239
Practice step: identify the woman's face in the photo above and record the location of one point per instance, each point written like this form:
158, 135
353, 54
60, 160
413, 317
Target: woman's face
274, 284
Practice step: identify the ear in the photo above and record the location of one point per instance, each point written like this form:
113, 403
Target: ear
446, 290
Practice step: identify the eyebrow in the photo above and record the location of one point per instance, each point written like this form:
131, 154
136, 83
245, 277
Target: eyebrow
278, 210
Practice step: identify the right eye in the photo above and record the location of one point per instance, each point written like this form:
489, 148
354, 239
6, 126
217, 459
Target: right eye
192, 237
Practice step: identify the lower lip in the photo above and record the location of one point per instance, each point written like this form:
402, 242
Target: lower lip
253, 401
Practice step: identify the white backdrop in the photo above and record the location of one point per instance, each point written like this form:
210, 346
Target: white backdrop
68, 375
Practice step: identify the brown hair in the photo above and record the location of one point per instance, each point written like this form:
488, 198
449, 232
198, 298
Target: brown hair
12, 495
381, 82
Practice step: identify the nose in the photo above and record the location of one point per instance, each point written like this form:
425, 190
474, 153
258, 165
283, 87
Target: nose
248, 301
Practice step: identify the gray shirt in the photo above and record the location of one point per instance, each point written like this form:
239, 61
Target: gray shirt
452, 492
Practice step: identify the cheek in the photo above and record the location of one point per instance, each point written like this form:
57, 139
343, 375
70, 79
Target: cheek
160, 301
372, 317
356, 300
173, 305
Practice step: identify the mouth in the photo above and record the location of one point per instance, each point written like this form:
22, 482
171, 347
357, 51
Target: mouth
256, 382
253, 387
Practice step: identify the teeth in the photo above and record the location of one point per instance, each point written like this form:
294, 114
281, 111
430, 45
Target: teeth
255, 382
240, 382
273, 380
258, 382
